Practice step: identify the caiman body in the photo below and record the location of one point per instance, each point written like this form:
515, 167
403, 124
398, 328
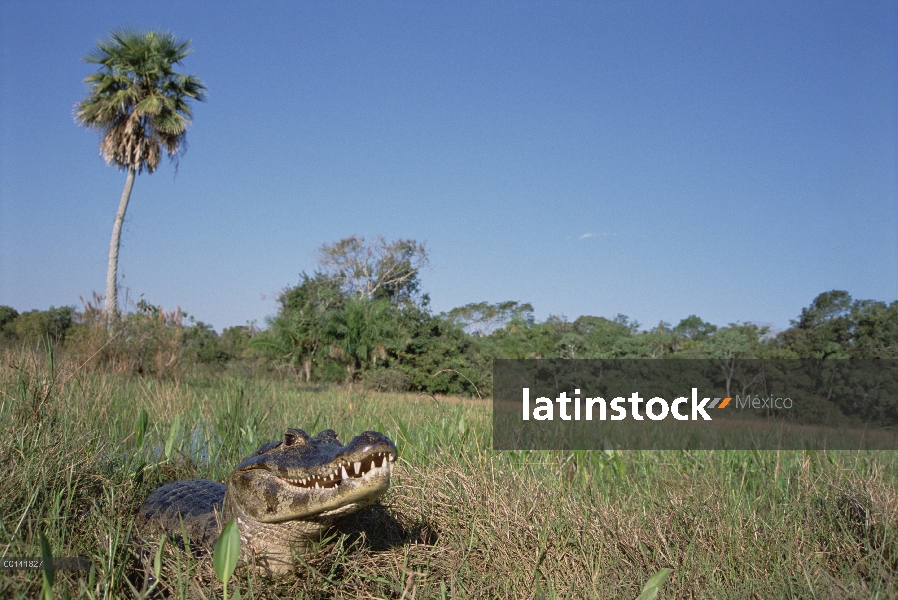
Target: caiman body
283, 496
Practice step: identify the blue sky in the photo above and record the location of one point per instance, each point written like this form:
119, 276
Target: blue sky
659, 159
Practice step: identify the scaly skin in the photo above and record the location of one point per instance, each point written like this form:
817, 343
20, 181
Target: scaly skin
283, 496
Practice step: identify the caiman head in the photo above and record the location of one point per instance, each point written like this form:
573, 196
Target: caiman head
311, 478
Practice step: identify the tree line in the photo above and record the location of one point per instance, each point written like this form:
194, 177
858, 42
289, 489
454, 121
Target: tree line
362, 317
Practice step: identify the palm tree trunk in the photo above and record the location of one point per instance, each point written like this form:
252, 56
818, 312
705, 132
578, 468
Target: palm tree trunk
112, 269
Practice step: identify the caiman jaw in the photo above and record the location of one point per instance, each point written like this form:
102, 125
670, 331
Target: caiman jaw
311, 479
344, 472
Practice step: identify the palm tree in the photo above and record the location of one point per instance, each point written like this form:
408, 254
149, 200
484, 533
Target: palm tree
139, 104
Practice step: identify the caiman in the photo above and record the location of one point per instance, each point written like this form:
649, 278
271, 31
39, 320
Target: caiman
283, 496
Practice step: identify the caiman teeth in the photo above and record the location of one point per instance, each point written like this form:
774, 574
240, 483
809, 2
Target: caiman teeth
341, 472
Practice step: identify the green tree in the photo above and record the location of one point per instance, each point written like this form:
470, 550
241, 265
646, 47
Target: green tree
736, 341
524, 339
140, 105
431, 345
825, 308
7, 316
299, 333
200, 344
38, 326
365, 330
875, 331
483, 318
379, 270
835, 326
604, 338
693, 328
235, 341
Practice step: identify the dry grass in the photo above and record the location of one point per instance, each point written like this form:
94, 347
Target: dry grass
460, 521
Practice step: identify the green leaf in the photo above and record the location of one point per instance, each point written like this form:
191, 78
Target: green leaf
140, 426
157, 561
619, 465
172, 434
48, 572
138, 472
653, 585
226, 552
150, 104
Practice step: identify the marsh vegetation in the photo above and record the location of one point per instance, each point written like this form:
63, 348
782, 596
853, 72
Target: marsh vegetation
460, 520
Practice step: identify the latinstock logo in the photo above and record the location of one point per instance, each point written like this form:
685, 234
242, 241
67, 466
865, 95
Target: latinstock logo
662, 404
656, 408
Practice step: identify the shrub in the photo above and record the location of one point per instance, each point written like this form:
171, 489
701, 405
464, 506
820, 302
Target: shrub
386, 380
35, 327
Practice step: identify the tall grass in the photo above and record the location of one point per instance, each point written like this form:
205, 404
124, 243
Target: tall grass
460, 520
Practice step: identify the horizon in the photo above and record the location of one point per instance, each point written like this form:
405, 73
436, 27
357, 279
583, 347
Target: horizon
657, 161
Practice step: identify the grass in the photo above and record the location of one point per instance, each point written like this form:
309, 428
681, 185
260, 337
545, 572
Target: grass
460, 521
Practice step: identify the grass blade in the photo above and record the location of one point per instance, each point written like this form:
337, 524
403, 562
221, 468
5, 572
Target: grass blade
653, 585
227, 550
172, 434
48, 572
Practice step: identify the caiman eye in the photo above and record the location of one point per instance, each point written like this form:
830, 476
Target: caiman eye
295, 437
328, 434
